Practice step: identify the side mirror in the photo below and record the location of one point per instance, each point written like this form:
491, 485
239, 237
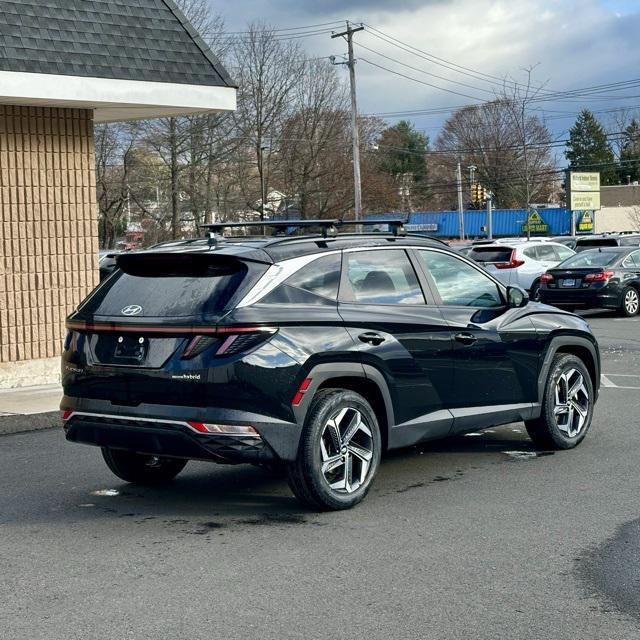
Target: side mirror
517, 297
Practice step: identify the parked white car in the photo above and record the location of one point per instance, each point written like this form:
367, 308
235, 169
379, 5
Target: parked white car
522, 262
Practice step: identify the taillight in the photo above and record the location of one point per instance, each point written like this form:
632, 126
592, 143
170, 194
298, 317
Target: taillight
546, 277
65, 414
512, 264
602, 276
227, 341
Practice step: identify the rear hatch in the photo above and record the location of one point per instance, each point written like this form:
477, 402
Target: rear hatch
152, 322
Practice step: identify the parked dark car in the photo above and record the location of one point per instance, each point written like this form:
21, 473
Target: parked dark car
604, 278
567, 241
317, 354
608, 240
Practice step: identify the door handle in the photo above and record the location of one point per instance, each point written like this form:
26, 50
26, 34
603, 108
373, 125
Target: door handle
465, 338
372, 338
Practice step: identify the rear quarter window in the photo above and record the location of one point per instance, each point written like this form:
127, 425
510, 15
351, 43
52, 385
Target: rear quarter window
491, 254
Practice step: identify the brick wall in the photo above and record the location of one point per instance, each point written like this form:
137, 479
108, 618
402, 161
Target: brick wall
48, 226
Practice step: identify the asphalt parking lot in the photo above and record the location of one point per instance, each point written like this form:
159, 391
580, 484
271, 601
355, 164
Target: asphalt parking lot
474, 537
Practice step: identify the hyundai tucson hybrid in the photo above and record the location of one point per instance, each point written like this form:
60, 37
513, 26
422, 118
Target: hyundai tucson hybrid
604, 278
315, 353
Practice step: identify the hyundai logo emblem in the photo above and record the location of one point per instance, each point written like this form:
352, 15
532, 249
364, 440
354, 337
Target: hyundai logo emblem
131, 310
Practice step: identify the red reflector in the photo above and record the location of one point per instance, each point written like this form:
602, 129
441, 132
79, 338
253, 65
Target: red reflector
226, 344
603, 276
304, 385
199, 426
65, 414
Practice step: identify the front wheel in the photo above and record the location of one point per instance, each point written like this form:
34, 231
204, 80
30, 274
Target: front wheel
339, 451
142, 469
567, 406
630, 302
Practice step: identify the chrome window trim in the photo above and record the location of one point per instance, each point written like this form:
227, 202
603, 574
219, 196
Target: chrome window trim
276, 274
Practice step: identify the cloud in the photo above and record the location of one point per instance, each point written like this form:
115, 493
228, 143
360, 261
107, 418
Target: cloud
571, 43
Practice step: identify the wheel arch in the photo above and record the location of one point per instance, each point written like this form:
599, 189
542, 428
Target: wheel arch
362, 379
577, 346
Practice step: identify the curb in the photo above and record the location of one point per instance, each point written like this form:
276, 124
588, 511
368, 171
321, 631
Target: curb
21, 423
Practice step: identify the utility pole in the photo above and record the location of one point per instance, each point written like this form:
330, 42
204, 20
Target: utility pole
489, 215
460, 203
472, 172
351, 63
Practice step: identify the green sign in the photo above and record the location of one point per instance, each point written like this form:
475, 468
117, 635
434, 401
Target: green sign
586, 222
535, 224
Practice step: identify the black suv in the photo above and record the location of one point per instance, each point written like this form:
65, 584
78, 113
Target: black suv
316, 353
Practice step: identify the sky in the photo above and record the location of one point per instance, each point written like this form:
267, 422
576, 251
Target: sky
571, 44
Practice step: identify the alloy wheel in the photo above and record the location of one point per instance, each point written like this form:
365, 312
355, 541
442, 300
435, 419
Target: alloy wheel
346, 448
571, 403
631, 302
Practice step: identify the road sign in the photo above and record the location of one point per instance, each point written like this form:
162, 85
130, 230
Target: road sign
584, 181
586, 222
585, 200
535, 224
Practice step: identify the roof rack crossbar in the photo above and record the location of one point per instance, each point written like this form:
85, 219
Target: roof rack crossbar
397, 226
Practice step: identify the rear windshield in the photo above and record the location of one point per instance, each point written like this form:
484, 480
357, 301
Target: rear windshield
491, 254
167, 287
590, 259
597, 242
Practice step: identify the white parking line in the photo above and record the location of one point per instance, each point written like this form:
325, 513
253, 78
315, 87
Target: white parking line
608, 383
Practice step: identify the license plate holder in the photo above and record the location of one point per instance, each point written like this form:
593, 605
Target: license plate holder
568, 282
131, 349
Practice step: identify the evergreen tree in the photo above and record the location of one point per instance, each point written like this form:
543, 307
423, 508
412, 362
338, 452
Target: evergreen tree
588, 149
630, 154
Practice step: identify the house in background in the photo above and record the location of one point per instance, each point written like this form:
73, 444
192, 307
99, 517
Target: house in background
65, 65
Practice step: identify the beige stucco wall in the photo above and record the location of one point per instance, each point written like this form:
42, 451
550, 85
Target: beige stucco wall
618, 219
48, 232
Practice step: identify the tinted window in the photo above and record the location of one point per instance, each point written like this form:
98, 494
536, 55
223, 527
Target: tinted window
383, 277
458, 283
491, 254
591, 258
596, 242
315, 283
167, 286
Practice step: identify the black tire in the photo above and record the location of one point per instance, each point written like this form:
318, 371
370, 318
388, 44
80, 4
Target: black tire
534, 292
630, 302
547, 432
142, 469
306, 478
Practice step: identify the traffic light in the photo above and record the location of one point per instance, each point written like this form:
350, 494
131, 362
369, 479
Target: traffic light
478, 194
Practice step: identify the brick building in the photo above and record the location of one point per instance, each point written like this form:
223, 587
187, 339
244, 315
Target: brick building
64, 65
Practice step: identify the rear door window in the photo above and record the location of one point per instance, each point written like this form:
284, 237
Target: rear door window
630, 241
161, 286
383, 277
546, 253
562, 252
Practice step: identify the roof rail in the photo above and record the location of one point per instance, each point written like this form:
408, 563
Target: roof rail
327, 227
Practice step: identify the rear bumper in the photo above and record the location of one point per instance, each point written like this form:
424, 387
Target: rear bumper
164, 430
585, 299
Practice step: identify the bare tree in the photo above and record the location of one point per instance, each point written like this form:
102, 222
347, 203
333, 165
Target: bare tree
267, 70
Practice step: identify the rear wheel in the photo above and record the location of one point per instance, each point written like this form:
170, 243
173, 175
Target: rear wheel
567, 406
142, 469
339, 451
534, 292
630, 302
